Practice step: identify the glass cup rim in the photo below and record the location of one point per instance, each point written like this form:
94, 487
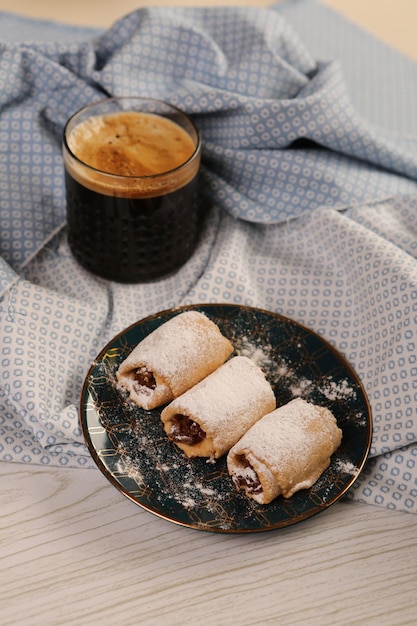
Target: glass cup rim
195, 154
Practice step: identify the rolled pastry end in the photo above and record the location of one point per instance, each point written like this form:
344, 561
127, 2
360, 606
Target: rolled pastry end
246, 477
145, 387
285, 451
259, 482
173, 358
209, 418
189, 436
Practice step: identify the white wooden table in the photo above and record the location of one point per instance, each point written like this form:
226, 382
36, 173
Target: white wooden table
73, 550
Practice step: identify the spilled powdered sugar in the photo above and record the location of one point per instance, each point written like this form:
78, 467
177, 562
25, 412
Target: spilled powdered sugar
166, 480
337, 391
340, 467
345, 466
299, 386
175, 481
260, 355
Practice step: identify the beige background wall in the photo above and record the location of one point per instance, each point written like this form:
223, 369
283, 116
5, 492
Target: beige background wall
395, 21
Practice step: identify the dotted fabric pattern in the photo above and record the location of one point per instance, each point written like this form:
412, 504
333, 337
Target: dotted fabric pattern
283, 148
280, 133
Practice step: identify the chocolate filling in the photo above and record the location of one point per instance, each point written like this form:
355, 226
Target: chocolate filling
144, 378
185, 430
248, 478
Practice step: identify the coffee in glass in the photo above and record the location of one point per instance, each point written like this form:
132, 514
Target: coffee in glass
131, 172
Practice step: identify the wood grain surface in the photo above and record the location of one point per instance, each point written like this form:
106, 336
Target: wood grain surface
75, 551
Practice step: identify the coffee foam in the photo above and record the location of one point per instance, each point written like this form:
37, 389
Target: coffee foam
131, 154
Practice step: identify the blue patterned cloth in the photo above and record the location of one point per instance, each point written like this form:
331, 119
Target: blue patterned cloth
310, 168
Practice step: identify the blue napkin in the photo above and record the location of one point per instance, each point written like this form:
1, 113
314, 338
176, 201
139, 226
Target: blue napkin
312, 209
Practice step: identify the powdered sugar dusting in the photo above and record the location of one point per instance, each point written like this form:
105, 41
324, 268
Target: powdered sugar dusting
300, 387
276, 368
178, 353
337, 391
226, 403
200, 491
285, 443
260, 355
345, 466
179, 481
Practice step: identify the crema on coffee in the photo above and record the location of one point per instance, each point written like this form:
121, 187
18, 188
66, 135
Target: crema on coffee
131, 145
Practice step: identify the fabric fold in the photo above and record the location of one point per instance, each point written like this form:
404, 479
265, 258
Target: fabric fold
311, 209
249, 82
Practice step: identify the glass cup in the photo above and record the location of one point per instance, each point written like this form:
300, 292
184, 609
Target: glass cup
131, 175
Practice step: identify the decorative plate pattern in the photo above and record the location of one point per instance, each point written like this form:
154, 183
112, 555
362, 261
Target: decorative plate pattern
130, 447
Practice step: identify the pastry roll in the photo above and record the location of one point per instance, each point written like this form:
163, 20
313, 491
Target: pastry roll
209, 418
287, 450
173, 358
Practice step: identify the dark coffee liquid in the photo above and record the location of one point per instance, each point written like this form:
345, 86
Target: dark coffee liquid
132, 239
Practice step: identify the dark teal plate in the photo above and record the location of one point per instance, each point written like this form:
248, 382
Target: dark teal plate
130, 447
